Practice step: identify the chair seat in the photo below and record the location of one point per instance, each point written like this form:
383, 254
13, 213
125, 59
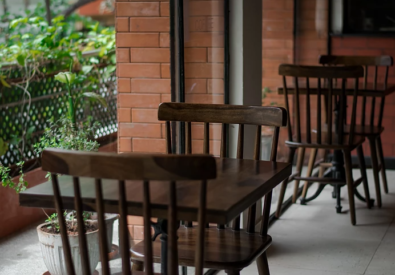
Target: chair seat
224, 249
362, 130
358, 140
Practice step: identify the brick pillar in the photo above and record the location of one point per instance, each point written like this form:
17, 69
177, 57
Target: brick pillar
143, 76
143, 73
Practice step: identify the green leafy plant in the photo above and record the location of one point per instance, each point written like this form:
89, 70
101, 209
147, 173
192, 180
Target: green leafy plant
33, 46
70, 220
5, 172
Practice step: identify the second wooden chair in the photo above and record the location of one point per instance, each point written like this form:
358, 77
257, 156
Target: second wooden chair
321, 138
229, 249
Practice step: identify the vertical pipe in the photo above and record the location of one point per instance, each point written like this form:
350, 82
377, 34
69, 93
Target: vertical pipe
225, 127
173, 69
329, 28
181, 69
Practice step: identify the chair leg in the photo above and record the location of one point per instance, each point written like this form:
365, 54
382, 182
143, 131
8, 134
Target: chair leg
382, 163
284, 184
299, 168
263, 266
362, 167
350, 184
137, 266
375, 165
310, 167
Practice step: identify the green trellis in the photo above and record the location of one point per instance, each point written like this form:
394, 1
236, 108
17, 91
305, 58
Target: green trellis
47, 101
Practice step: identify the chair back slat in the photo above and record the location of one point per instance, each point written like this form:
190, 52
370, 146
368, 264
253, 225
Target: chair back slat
319, 118
123, 229
290, 136
273, 154
168, 137
172, 234
224, 141
199, 253
297, 113
330, 109
373, 104
329, 74
342, 113
366, 61
353, 112
266, 214
308, 120
62, 226
81, 227
102, 228
206, 141
251, 218
188, 138
257, 148
230, 114
148, 263
240, 142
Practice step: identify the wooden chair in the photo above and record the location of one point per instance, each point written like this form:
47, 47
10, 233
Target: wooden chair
125, 167
323, 138
229, 249
371, 124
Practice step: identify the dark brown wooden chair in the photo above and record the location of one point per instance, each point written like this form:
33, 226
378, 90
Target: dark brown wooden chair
371, 118
141, 169
229, 249
321, 138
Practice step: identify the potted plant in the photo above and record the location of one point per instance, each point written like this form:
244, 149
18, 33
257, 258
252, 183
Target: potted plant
52, 247
36, 51
32, 51
67, 133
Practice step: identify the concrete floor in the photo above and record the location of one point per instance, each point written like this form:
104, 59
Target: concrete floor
309, 240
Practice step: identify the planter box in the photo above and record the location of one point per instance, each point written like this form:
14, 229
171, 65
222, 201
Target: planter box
14, 217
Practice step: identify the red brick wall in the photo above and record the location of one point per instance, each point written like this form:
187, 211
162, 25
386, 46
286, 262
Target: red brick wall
277, 40
374, 46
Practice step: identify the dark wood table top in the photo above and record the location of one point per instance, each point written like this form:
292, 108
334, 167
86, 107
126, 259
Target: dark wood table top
239, 184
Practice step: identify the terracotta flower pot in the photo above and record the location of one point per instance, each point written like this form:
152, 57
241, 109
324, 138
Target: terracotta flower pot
15, 216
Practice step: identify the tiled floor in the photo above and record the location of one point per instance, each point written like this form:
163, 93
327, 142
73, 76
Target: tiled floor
308, 240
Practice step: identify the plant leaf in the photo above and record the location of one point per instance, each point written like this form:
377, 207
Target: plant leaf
96, 97
3, 147
64, 76
3, 82
21, 59
86, 69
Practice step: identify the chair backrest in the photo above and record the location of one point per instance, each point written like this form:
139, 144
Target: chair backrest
374, 62
320, 73
144, 168
228, 114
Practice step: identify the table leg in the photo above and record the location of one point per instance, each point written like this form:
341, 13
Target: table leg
163, 252
160, 228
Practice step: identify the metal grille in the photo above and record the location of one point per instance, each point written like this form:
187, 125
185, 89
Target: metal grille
48, 100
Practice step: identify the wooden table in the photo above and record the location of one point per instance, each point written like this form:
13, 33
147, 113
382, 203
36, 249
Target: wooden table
239, 184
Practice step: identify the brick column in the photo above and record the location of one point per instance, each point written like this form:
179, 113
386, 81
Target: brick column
143, 73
